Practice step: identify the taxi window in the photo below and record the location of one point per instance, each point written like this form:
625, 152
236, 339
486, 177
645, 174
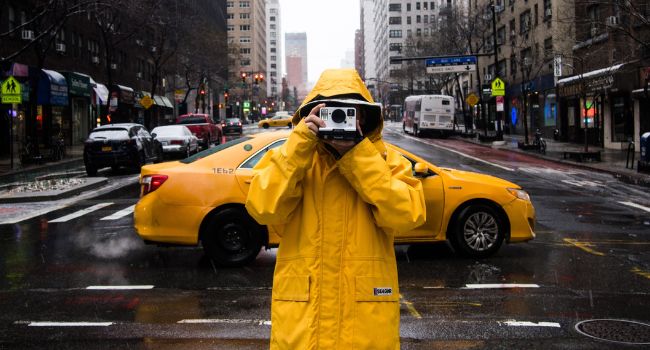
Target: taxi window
214, 150
252, 161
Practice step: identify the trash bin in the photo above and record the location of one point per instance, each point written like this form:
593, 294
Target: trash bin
645, 147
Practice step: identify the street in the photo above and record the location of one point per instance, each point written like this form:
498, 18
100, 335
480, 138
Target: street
79, 277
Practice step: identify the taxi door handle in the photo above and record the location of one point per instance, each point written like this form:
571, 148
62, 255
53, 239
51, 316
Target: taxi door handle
248, 181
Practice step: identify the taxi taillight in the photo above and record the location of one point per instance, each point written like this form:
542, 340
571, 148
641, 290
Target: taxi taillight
150, 183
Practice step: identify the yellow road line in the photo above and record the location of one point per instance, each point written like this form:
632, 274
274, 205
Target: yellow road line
640, 272
410, 307
586, 246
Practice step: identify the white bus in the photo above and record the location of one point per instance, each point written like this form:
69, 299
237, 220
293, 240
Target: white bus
433, 114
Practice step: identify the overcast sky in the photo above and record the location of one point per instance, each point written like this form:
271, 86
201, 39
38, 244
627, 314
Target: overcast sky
330, 26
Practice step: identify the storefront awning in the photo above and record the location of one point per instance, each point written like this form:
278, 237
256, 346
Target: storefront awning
52, 89
591, 75
78, 84
167, 102
162, 101
123, 94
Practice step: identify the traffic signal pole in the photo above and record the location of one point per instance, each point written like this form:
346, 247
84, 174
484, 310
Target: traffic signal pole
496, 68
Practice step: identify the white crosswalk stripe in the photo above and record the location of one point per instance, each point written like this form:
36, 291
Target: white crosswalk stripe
120, 214
81, 212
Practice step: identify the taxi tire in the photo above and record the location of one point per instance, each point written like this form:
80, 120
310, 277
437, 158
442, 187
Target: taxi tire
289, 125
456, 237
91, 170
231, 237
265, 126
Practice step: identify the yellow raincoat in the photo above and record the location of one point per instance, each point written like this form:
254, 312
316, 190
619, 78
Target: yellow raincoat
335, 282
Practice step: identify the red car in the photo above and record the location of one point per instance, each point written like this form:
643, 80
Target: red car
203, 127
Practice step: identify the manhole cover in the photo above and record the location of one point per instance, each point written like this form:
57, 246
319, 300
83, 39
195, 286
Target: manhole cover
619, 331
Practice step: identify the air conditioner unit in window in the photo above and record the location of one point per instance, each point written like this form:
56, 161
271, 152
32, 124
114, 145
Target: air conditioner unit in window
594, 31
138, 75
613, 21
95, 59
139, 42
487, 77
60, 48
548, 13
153, 49
113, 66
28, 35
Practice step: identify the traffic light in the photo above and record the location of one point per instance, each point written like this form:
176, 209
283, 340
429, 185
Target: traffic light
243, 77
220, 105
202, 92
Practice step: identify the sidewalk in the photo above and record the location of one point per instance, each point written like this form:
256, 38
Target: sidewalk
21, 173
612, 161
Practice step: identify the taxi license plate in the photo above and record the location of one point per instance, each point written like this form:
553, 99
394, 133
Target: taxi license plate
107, 148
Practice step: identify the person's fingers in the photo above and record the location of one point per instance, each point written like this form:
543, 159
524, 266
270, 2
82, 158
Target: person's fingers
312, 118
316, 109
312, 127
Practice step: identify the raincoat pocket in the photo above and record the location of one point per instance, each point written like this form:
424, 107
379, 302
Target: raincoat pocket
291, 288
376, 314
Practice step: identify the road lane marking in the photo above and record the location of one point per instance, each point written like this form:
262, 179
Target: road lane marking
120, 214
226, 320
410, 307
65, 324
586, 246
459, 153
583, 183
81, 212
514, 323
500, 286
640, 272
120, 287
634, 205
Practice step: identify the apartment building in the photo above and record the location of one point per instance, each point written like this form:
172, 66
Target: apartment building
296, 58
273, 50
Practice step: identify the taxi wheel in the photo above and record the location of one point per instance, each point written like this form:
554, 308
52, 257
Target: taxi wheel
231, 238
289, 125
91, 170
265, 126
478, 231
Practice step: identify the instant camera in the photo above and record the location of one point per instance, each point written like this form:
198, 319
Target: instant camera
340, 123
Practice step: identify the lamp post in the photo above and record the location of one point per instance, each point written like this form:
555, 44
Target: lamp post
496, 65
256, 79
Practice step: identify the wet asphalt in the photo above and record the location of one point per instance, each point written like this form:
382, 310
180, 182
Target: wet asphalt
590, 260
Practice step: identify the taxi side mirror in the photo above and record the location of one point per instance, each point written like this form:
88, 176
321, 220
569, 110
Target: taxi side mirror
420, 170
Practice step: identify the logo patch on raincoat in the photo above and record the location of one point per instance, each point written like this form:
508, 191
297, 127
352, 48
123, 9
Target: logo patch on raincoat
383, 291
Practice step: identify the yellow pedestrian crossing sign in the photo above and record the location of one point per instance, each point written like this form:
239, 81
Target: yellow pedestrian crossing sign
12, 91
498, 87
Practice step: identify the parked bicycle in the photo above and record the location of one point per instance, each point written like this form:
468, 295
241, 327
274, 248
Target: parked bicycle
539, 142
57, 148
30, 153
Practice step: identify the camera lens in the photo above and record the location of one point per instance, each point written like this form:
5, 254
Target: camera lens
338, 116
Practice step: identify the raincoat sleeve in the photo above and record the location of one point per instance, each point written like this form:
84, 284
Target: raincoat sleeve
388, 185
276, 189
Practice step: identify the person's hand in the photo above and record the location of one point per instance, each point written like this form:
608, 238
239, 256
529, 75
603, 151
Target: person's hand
313, 121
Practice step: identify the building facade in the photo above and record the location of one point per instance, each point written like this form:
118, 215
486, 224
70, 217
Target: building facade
274, 50
296, 62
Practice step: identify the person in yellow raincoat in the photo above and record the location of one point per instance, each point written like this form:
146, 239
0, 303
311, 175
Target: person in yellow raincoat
338, 205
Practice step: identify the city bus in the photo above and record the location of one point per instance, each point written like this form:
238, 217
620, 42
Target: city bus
429, 114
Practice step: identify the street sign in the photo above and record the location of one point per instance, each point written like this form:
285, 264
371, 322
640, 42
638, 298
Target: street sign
500, 103
471, 100
11, 91
459, 64
557, 66
498, 87
146, 102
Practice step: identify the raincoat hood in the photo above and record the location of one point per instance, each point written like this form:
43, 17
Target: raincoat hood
344, 86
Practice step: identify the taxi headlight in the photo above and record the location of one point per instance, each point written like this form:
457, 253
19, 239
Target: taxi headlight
519, 193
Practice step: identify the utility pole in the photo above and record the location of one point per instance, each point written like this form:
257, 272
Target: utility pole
496, 66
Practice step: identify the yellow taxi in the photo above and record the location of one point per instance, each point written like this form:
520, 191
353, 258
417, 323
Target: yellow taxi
201, 199
279, 119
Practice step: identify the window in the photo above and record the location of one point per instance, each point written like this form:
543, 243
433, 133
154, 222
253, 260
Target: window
425, 19
12, 18
426, 31
272, 26
409, 33
418, 32
273, 34
593, 15
433, 5
418, 19
245, 62
245, 15
513, 65
425, 5
395, 34
231, 16
417, 6
408, 7
548, 12
252, 161
245, 50
244, 4
622, 120
274, 11
395, 20
395, 47
524, 22
245, 27
273, 58
274, 74
231, 27
511, 26
548, 47
274, 42
408, 19
272, 18
536, 13
274, 66
245, 40
230, 4
395, 7
273, 50
501, 35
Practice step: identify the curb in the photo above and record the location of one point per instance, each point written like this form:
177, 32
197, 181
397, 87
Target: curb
30, 173
634, 179
91, 183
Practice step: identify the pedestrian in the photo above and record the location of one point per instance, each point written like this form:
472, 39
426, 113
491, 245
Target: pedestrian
338, 205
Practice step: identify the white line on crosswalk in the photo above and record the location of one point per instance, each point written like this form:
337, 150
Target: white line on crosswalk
120, 287
81, 212
120, 214
69, 324
634, 205
514, 323
226, 320
500, 286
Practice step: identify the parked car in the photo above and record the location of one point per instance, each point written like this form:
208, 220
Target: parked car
203, 127
176, 140
115, 145
476, 213
232, 125
279, 119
